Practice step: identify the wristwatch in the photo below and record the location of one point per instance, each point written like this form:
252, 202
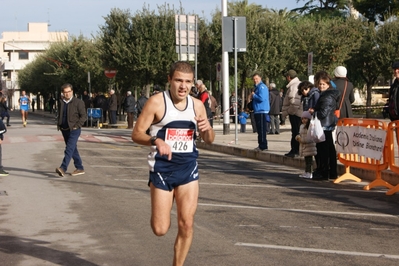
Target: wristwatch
153, 139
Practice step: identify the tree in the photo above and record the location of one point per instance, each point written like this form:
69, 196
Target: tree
331, 40
376, 10
323, 7
375, 56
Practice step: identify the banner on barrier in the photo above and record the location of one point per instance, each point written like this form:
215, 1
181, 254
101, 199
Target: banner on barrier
368, 142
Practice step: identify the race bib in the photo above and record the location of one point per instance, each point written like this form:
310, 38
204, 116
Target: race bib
180, 140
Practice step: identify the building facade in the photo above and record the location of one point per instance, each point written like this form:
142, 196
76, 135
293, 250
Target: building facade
17, 49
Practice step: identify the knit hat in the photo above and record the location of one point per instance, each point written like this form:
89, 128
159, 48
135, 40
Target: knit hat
307, 115
272, 85
340, 72
291, 73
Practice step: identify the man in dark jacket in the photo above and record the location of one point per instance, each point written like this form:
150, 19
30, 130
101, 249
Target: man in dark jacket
140, 103
72, 116
393, 104
101, 102
275, 107
113, 107
130, 105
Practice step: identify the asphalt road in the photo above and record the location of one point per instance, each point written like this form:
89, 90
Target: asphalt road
249, 212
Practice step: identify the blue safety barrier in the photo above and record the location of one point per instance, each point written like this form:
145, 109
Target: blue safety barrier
94, 115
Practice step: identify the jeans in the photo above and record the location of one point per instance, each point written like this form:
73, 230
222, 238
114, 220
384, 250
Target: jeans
261, 126
71, 149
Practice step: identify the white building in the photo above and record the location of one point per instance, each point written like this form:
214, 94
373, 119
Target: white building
20, 48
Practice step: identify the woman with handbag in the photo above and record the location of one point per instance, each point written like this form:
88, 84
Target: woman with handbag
324, 109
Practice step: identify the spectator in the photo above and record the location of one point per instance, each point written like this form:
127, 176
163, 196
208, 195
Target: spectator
130, 105
214, 105
345, 88
275, 108
261, 105
242, 118
72, 116
140, 103
282, 119
309, 94
3, 130
307, 147
33, 105
251, 111
51, 102
86, 99
234, 106
326, 159
293, 108
204, 96
113, 107
100, 101
4, 110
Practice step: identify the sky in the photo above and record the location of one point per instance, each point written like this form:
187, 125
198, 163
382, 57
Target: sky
85, 16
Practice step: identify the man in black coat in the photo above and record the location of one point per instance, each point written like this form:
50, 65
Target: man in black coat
130, 105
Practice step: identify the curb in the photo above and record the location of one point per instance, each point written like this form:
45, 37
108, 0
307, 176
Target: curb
297, 162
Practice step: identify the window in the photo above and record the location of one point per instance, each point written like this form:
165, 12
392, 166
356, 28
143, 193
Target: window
23, 55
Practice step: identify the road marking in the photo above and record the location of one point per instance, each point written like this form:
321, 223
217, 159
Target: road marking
294, 187
300, 210
340, 252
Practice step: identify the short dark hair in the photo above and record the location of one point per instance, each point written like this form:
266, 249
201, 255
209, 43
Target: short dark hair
66, 85
304, 85
257, 74
181, 66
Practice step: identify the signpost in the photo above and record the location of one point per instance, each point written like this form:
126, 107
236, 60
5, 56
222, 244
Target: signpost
235, 40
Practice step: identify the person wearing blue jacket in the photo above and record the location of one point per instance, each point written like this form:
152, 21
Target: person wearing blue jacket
261, 106
242, 118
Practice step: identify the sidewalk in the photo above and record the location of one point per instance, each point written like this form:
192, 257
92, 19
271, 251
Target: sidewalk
278, 145
243, 144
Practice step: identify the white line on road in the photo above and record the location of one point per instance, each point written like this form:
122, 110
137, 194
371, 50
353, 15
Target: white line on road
341, 252
299, 210
292, 187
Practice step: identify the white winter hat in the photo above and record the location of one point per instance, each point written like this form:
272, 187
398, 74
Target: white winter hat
340, 72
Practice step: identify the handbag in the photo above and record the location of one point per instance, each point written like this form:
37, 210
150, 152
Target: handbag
338, 111
315, 130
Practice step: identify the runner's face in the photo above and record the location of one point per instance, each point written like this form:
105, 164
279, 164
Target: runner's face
180, 84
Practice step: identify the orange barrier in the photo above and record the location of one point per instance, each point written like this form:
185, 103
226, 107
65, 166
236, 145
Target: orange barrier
393, 128
364, 162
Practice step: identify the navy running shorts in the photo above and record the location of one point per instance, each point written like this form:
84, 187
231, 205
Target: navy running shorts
169, 180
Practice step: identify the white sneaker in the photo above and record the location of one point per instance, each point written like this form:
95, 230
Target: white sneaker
308, 176
302, 175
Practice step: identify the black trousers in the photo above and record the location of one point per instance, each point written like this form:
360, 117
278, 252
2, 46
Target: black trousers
326, 158
295, 124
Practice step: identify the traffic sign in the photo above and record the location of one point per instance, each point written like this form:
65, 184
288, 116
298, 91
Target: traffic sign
110, 73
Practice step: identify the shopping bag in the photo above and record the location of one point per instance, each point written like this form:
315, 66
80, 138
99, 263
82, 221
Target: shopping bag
315, 130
